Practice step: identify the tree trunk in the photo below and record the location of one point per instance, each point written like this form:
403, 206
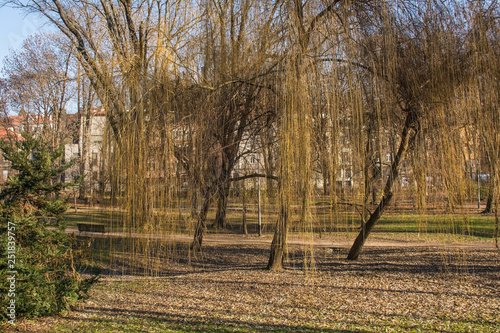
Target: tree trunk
223, 194
489, 203
326, 186
497, 225
497, 220
194, 203
84, 143
491, 194
267, 154
280, 234
244, 217
388, 194
201, 226
279, 243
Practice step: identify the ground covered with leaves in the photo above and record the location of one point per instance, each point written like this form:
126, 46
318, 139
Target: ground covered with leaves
227, 289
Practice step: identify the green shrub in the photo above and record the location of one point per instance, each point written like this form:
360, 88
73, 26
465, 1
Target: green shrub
47, 279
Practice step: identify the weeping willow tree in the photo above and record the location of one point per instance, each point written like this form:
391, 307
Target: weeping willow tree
401, 67
483, 88
295, 121
418, 56
131, 51
235, 77
352, 91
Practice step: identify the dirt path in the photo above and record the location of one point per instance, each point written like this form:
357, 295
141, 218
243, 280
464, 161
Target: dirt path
341, 240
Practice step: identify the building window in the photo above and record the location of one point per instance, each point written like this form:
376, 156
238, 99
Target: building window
345, 158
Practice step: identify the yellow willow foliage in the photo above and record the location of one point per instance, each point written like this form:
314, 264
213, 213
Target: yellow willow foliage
142, 186
340, 104
294, 168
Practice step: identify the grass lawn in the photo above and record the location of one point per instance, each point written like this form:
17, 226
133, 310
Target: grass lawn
475, 226
471, 227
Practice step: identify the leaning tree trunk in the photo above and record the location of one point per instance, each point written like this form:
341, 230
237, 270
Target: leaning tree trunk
411, 121
194, 203
201, 225
223, 186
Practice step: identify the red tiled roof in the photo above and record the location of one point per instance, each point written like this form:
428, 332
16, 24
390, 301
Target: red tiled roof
98, 112
10, 127
6, 134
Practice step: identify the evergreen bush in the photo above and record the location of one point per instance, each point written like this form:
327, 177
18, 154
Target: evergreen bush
47, 279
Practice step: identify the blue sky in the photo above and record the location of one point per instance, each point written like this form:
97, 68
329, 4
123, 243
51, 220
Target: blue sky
15, 27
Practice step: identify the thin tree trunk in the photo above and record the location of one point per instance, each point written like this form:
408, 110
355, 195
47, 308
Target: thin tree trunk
388, 194
268, 166
366, 173
244, 217
497, 224
326, 186
84, 144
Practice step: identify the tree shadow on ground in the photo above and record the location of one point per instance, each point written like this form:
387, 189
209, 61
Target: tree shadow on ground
189, 323
177, 259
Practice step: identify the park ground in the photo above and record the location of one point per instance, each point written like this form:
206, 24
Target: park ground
402, 283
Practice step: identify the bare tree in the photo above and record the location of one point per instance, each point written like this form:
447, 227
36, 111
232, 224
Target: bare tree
40, 82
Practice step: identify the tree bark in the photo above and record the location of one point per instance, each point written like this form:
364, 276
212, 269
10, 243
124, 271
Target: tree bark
497, 223
201, 226
223, 194
194, 203
358, 244
491, 194
279, 242
244, 217
84, 143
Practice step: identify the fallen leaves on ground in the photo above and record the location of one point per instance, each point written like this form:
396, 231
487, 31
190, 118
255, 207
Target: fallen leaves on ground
226, 288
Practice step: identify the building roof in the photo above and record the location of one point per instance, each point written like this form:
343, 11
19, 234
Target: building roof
6, 134
11, 127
